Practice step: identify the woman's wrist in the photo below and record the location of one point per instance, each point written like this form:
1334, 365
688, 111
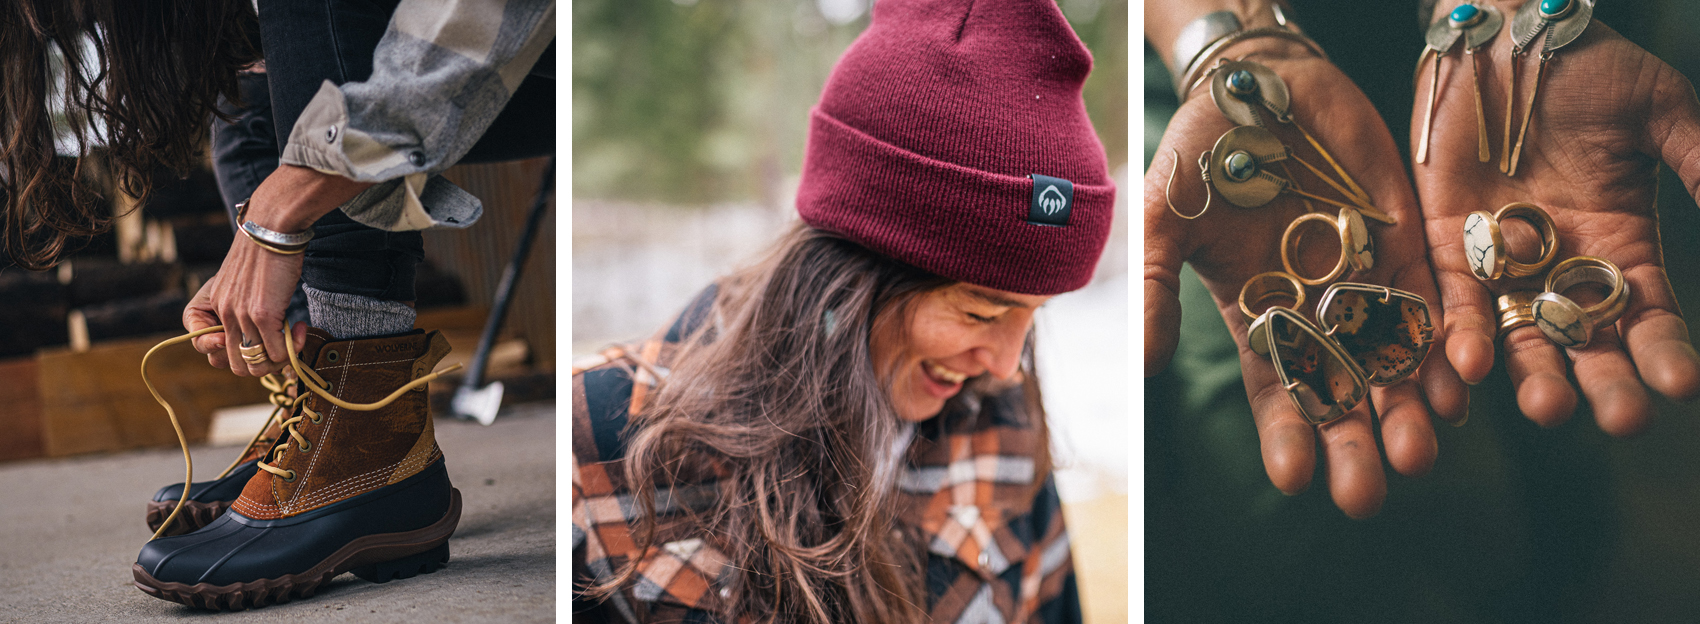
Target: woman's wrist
1164, 22
292, 198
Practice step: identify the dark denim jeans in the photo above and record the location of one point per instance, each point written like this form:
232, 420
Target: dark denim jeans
305, 44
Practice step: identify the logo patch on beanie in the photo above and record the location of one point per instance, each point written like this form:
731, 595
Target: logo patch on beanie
1053, 199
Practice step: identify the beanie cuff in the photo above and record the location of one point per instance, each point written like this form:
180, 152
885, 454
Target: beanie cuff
960, 223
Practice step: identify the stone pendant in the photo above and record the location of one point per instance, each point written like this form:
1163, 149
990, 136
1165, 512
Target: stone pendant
1318, 375
1385, 331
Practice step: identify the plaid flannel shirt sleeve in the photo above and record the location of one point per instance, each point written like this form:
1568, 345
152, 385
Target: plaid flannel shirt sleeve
441, 73
678, 573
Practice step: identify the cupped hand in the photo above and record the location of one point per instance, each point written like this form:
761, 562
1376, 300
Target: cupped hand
247, 296
1607, 112
1230, 244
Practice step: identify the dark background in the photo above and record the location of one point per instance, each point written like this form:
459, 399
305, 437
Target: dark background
1514, 524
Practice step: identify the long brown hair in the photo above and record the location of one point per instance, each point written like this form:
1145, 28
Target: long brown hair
777, 397
145, 90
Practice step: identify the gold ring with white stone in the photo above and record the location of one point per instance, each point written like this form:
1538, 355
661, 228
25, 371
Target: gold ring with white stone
1484, 243
1570, 325
1515, 310
1357, 248
1272, 285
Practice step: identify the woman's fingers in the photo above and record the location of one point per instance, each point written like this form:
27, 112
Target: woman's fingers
1537, 370
1163, 258
199, 315
249, 339
269, 324
1287, 440
1469, 324
1657, 337
1407, 433
1619, 401
1355, 479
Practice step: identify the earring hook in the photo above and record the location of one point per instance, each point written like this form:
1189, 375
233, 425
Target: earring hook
1168, 192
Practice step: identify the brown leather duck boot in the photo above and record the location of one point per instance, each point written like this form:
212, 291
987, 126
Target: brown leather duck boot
209, 499
350, 487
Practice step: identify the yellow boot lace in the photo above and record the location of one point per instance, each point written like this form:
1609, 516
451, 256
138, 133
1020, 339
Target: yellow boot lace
278, 386
305, 377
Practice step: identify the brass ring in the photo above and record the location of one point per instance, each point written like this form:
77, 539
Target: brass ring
253, 354
1568, 324
1265, 286
1515, 311
1357, 249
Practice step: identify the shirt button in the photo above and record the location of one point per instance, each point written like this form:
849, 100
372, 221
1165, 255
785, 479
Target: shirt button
985, 559
330, 134
417, 158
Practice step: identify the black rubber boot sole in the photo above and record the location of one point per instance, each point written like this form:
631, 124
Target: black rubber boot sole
377, 558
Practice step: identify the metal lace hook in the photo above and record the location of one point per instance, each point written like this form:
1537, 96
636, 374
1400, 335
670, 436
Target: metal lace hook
1168, 189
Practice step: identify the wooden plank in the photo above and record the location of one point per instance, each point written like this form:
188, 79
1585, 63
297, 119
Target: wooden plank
96, 401
20, 416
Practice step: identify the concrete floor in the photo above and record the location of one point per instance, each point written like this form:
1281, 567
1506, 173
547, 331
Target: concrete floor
71, 528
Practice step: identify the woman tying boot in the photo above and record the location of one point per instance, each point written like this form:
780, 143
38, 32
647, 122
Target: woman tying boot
850, 429
371, 100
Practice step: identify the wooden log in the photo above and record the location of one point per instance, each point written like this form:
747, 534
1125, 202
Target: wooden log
20, 418
32, 314
94, 282
95, 400
141, 316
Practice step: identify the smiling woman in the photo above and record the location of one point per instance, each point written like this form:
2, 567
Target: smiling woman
850, 429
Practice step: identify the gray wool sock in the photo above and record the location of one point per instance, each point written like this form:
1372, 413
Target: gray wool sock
348, 317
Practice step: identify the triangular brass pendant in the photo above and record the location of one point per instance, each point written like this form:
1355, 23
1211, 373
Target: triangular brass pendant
1317, 374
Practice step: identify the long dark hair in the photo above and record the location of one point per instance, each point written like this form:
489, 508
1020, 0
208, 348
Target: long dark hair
778, 398
144, 89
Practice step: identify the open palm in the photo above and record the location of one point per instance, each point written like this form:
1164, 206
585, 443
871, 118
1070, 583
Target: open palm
1606, 114
1229, 244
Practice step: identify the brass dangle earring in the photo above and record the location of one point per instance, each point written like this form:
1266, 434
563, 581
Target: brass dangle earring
1239, 166
1476, 25
1563, 21
1241, 88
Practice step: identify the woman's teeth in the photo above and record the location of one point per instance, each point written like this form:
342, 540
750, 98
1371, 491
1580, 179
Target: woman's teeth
944, 374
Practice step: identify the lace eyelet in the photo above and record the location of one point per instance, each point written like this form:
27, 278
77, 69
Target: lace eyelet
290, 478
317, 419
332, 356
306, 448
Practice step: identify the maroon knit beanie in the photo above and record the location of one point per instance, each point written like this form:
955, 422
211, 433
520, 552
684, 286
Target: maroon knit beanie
951, 136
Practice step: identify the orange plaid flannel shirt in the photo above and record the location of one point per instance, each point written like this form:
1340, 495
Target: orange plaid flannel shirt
997, 550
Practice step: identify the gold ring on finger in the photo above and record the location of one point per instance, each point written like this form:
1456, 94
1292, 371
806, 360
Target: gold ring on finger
1515, 310
1357, 248
1568, 324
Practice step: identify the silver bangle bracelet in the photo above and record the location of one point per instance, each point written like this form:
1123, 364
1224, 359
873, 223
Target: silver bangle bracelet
262, 234
1198, 35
